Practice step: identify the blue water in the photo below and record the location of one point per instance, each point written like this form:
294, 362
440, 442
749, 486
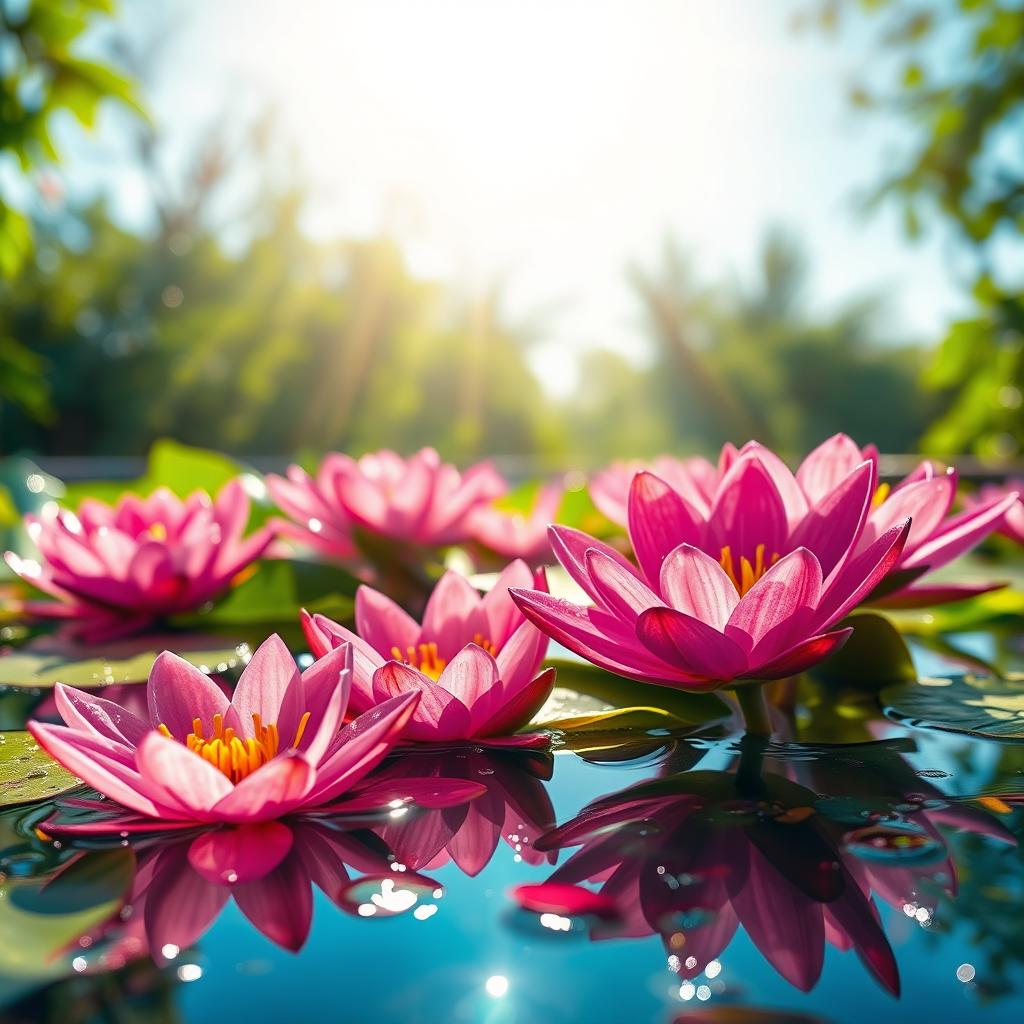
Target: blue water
479, 958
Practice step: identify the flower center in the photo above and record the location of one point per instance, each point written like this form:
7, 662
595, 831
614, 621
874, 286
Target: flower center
880, 495
424, 657
746, 573
230, 753
158, 531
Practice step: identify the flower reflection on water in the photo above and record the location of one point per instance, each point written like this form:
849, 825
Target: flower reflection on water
797, 845
693, 855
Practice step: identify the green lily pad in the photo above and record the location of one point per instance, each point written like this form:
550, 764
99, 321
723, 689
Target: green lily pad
48, 660
974, 705
28, 773
276, 592
874, 656
625, 703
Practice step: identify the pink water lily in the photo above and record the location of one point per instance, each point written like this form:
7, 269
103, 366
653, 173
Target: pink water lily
694, 477
724, 500
925, 496
277, 747
1012, 525
511, 534
474, 660
762, 606
420, 501
118, 568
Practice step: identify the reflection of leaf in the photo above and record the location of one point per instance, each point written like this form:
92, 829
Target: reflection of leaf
976, 705
873, 657
619, 693
37, 927
87, 881
28, 773
276, 592
49, 660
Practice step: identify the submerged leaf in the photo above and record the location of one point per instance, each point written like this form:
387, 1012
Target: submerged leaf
28, 773
974, 705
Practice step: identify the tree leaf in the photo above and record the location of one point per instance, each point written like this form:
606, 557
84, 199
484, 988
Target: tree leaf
46, 661
28, 773
974, 705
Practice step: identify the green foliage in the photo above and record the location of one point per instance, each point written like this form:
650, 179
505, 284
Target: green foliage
272, 596
752, 362
956, 86
291, 345
42, 75
42, 918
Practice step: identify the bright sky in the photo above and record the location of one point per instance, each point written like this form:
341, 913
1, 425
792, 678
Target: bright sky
550, 142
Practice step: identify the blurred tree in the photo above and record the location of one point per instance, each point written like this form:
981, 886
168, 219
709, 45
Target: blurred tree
740, 362
41, 74
286, 345
952, 72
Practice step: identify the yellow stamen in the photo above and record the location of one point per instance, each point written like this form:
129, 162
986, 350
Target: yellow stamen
880, 495
158, 531
749, 572
481, 641
424, 658
229, 753
301, 729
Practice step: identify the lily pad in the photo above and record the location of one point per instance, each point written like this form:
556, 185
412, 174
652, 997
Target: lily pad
276, 592
609, 702
48, 660
874, 656
974, 705
28, 773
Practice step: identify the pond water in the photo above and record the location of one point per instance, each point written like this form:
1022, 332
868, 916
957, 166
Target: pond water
737, 873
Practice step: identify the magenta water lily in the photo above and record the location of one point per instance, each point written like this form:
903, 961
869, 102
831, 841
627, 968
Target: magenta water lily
118, 568
420, 501
1012, 525
837, 474
474, 660
278, 746
749, 590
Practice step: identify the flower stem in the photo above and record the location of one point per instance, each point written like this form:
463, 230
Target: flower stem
754, 709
